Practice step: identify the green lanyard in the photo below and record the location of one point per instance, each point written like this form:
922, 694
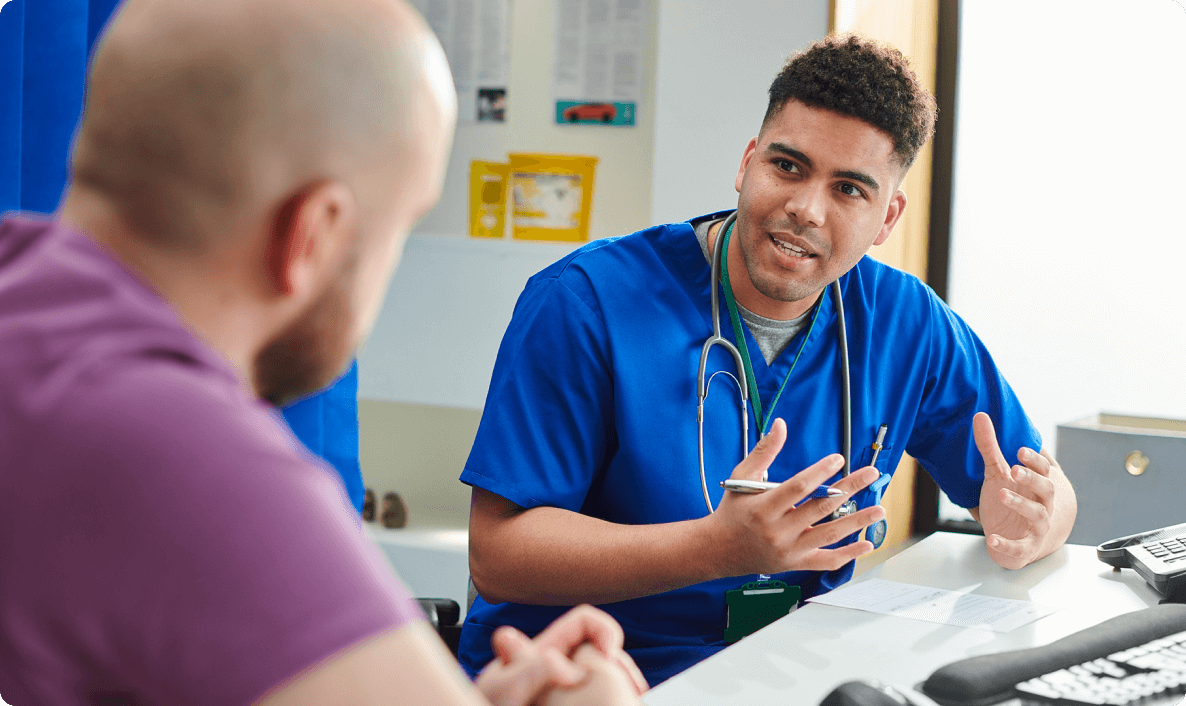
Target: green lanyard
763, 422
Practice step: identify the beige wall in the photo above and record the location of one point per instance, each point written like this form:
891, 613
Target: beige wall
913, 27
418, 451
622, 197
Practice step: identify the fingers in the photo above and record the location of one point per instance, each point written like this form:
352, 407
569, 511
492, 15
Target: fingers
1037, 485
532, 671
1051, 463
826, 534
1036, 462
507, 641
557, 670
526, 668
608, 684
986, 442
1035, 512
586, 626
633, 673
580, 625
833, 559
805, 519
856, 481
1011, 553
594, 661
765, 451
792, 491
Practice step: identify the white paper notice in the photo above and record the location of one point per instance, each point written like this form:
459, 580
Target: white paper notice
935, 605
598, 60
476, 38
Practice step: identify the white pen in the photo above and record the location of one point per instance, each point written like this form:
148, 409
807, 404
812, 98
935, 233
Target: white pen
757, 486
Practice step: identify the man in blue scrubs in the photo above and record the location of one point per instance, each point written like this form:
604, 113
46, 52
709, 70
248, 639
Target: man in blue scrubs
585, 475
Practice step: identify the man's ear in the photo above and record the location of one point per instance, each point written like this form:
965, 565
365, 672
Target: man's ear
309, 235
745, 158
897, 206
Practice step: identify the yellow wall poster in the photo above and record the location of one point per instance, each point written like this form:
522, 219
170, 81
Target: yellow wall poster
488, 199
552, 196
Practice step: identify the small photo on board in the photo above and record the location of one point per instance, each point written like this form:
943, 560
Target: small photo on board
492, 105
595, 113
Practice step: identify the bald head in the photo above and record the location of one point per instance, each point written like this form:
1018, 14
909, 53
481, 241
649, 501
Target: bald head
202, 114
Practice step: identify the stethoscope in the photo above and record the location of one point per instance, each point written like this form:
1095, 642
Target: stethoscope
716, 339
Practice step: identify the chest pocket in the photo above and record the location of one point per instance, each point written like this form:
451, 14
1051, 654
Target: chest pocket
883, 459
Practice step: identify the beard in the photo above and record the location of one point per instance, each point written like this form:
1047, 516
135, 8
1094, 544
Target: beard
313, 351
772, 284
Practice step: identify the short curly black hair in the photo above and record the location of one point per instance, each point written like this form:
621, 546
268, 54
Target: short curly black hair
858, 77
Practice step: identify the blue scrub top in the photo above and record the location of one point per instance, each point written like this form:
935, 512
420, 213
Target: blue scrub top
592, 408
327, 424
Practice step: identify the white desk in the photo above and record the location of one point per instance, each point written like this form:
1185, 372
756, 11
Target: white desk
802, 657
432, 562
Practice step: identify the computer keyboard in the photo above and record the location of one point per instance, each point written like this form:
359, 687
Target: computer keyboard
1153, 670
1136, 658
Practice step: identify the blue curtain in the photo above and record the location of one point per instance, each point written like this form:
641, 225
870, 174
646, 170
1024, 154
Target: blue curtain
44, 48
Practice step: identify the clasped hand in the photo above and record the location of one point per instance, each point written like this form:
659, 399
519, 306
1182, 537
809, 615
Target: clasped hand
778, 530
578, 659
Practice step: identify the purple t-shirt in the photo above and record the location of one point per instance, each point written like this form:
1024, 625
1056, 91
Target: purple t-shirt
164, 539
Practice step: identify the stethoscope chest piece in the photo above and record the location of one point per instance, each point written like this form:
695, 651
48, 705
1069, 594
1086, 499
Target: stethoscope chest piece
875, 533
848, 508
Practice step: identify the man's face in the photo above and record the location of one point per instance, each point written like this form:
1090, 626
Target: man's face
817, 190
320, 343
315, 347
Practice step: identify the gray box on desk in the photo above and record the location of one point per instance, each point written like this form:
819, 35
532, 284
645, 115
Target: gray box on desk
1103, 456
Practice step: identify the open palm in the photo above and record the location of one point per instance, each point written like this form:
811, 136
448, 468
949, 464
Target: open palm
1015, 502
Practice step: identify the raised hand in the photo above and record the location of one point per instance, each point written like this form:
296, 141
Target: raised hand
1016, 503
777, 530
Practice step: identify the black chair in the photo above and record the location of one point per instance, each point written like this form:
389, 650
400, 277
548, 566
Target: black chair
443, 614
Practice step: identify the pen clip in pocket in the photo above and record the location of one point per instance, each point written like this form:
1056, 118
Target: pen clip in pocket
883, 458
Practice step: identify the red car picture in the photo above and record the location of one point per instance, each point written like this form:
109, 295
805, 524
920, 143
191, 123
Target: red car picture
605, 112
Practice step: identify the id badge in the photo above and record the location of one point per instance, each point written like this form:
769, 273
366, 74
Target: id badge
756, 605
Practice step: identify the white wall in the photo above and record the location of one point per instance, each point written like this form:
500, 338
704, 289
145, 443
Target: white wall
1069, 240
715, 63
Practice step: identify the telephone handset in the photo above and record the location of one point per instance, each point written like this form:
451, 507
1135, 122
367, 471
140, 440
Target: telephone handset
1158, 556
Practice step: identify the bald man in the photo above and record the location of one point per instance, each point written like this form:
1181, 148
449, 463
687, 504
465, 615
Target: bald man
244, 178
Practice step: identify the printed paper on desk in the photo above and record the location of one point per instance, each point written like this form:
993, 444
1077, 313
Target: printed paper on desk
935, 605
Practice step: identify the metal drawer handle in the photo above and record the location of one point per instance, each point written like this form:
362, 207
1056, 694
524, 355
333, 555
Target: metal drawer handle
1136, 463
